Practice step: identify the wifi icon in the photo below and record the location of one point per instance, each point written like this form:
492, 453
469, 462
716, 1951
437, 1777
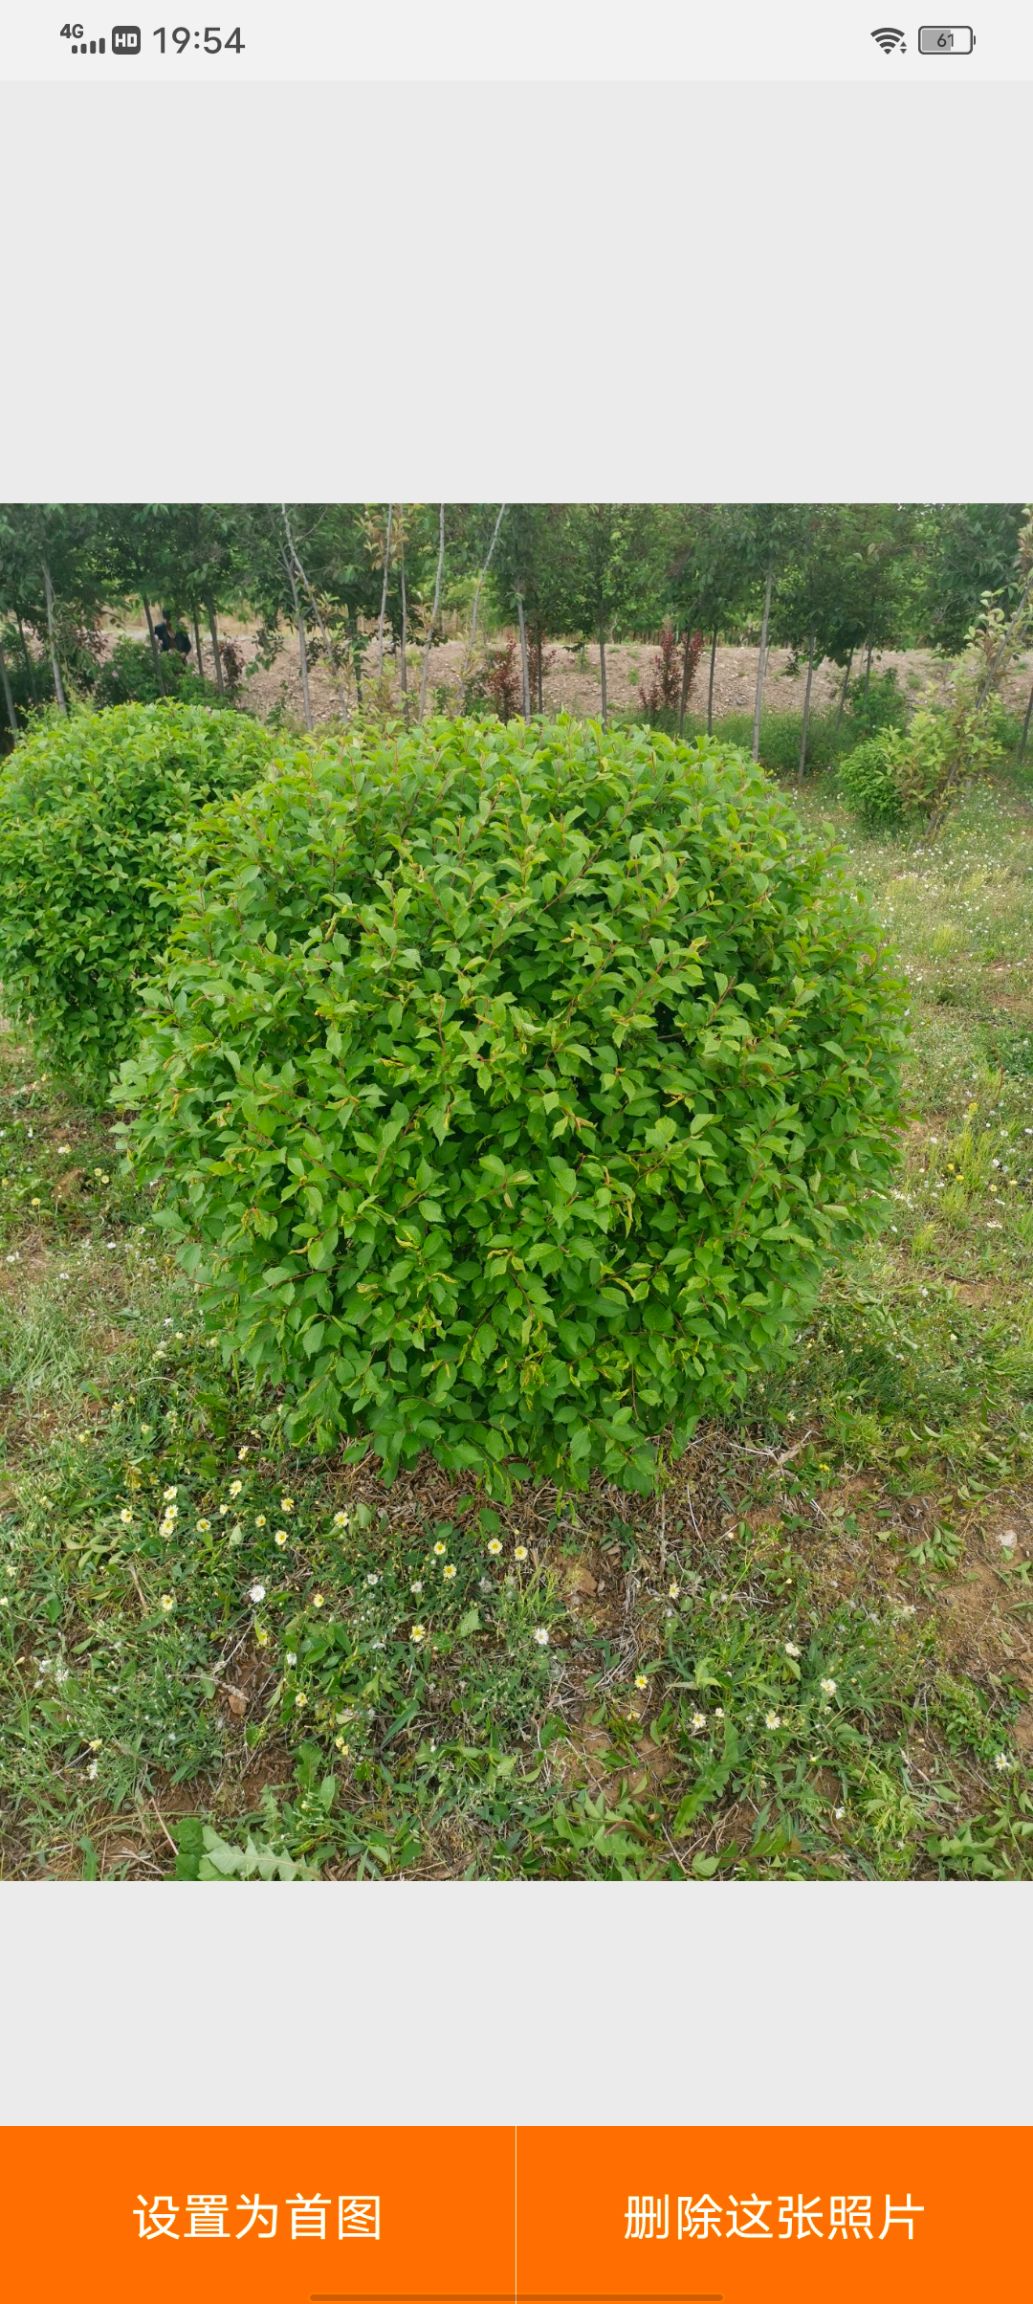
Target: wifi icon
889, 39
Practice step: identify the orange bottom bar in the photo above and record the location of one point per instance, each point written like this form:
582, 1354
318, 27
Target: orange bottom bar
755, 2215
506, 2216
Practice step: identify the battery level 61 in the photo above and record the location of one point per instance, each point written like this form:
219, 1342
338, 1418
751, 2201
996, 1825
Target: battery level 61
946, 40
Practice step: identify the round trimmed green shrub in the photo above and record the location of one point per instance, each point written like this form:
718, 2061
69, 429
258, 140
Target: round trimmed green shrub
508, 1088
897, 776
900, 775
869, 780
92, 810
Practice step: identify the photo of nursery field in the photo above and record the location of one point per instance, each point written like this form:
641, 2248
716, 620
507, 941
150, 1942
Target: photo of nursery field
516, 1192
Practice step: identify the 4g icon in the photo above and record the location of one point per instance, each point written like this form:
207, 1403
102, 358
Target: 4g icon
126, 39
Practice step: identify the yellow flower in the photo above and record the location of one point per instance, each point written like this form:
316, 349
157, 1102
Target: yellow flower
167, 1601
318, 1600
519, 1551
260, 1520
494, 1546
169, 1495
448, 1571
203, 1527
641, 1680
280, 1536
418, 1633
674, 1591
300, 1699
126, 1517
235, 1487
261, 1635
340, 1519
439, 1549
286, 1503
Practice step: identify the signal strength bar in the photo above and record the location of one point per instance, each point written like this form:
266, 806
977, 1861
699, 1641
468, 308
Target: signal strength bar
94, 48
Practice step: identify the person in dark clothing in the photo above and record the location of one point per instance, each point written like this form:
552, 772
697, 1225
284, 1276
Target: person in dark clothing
170, 641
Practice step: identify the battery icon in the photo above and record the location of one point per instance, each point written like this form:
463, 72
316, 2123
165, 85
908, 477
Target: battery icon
946, 40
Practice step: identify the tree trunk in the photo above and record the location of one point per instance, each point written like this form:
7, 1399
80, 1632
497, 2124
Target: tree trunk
297, 572
216, 651
12, 717
355, 638
762, 659
299, 618
480, 580
198, 659
153, 638
843, 691
26, 658
1024, 738
868, 666
525, 670
710, 685
403, 668
540, 663
686, 675
807, 707
383, 593
299, 626
603, 700
59, 686
438, 574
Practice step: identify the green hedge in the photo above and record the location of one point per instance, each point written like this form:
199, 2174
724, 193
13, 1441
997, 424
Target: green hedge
509, 1088
92, 811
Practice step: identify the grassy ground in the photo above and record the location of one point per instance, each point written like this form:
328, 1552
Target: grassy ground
809, 1658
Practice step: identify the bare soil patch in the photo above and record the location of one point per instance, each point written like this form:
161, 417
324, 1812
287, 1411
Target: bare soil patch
571, 681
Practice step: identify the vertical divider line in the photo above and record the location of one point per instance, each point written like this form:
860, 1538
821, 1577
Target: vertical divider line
516, 2199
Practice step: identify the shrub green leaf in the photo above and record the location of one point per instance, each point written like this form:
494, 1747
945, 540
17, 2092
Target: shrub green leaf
509, 1088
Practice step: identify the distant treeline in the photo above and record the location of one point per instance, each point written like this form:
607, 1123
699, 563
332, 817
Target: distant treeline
351, 582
